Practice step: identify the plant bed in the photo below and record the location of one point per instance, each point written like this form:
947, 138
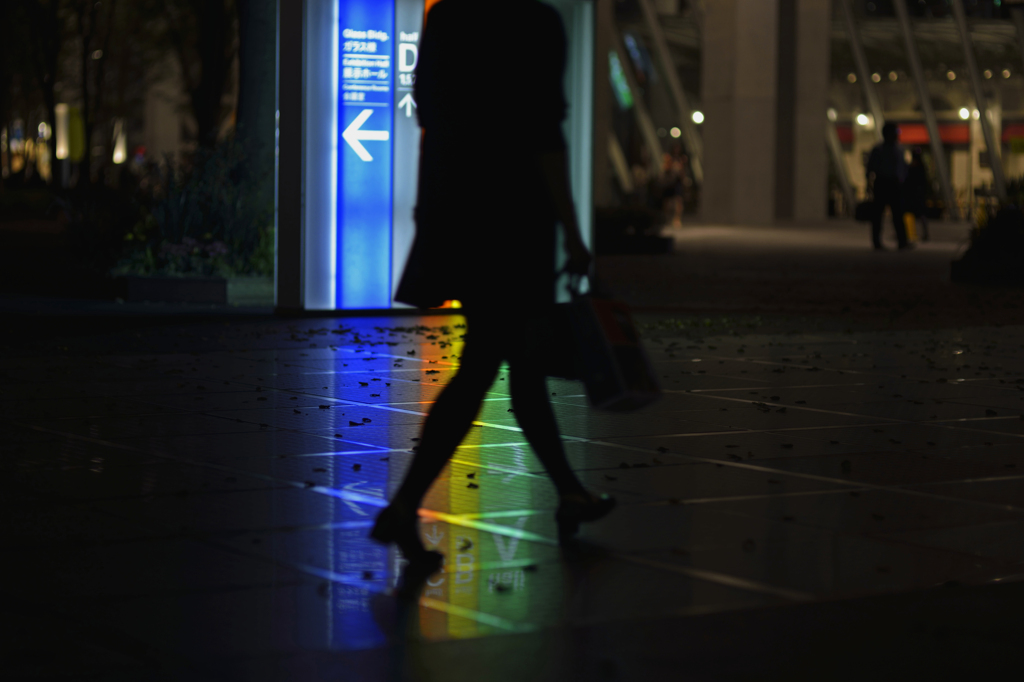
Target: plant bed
176, 289
992, 272
629, 230
996, 254
634, 244
251, 291
205, 235
241, 291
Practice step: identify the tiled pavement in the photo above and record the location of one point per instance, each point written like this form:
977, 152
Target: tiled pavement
199, 509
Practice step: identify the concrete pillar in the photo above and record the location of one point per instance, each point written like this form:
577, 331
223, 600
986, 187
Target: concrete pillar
765, 87
980, 177
863, 140
256, 120
604, 36
739, 94
163, 105
288, 281
717, 87
810, 157
983, 176
960, 172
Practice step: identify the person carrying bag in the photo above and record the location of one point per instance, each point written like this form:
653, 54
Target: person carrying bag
498, 259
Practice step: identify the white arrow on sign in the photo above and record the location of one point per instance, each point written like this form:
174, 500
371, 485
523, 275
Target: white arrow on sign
354, 136
354, 487
409, 103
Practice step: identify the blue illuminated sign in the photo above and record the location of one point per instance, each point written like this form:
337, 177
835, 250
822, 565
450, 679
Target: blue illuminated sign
406, 133
361, 139
365, 121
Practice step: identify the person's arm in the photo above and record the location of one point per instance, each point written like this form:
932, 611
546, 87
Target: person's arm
547, 134
554, 166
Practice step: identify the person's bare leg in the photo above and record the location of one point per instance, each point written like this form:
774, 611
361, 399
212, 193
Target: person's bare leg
444, 429
535, 416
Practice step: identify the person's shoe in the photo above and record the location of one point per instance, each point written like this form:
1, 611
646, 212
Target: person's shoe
906, 247
879, 247
574, 510
398, 524
416, 573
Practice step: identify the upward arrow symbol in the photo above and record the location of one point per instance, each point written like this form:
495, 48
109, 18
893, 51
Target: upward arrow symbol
409, 103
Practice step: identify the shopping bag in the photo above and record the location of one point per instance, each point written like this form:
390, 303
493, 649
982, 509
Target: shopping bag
615, 368
561, 358
550, 344
910, 224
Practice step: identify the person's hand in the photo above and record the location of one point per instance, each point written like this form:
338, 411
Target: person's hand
579, 257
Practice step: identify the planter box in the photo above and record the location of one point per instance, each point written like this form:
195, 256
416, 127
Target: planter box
244, 291
251, 291
629, 231
177, 289
976, 271
633, 245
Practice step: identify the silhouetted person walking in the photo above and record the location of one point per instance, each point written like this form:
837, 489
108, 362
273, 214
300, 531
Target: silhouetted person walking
888, 169
915, 193
490, 72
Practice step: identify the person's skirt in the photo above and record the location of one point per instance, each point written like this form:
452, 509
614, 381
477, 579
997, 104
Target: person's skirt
497, 261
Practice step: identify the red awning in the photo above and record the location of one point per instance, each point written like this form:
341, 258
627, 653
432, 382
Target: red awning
917, 133
1012, 130
949, 133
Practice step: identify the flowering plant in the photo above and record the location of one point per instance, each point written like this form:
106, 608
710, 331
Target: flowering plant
206, 218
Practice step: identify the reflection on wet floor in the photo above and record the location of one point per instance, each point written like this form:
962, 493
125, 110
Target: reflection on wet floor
219, 499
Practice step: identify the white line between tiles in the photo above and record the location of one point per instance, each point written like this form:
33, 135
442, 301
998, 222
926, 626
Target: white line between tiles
986, 479
479, 616
888, 420
667, 503
701, 574
720, 578
445, 607
747, 498
380, 502
847, 485
499, 468
750, 388
940, 422
795, 408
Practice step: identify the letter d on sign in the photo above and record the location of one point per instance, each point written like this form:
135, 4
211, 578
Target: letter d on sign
408, 54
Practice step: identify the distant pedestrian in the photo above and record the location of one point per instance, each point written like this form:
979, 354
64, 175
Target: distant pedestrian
886, 172
915, 193
673, 170
641, 179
